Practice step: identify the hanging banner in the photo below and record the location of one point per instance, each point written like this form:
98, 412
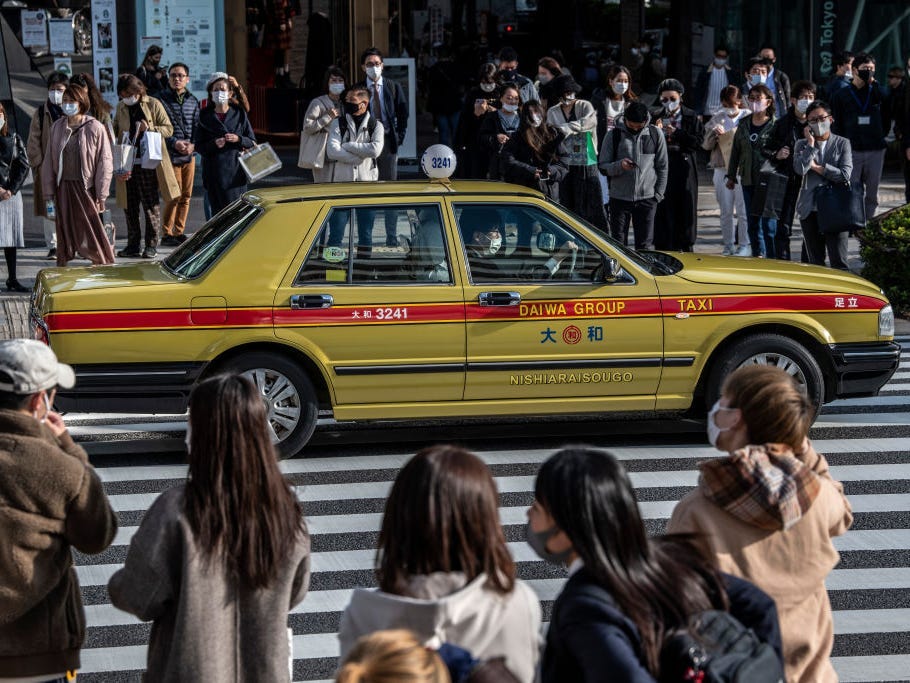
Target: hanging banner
61, 36
104, 52
34, 28
188, 34
825, 37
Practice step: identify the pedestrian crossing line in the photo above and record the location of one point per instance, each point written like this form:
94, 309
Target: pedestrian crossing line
860, 669
394, 461
862, 420
871, 621
317, 602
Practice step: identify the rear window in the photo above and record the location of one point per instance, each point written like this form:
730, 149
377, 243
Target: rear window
212, 240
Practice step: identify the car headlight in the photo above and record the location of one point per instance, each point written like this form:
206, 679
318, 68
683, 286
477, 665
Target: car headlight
886, 322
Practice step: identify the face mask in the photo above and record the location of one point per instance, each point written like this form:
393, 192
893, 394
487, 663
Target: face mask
757, 107
508, 75
635, 51
495, 244
70, 108
490, 244
488, 87
374, 72
510, 108
802, 105
130, 101
848, 75
538, 542
535, 120
336, 88
720, 61
757, 79
713, 430
544, 78
568, 98
645, 49
732, 111
188, 437
865, 75
351, 108
671, 105
620, 87
221, 96
55, 97
2, 122
820, 128
47, 409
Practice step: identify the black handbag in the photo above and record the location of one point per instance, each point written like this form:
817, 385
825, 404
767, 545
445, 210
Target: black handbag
841, 207
770, 192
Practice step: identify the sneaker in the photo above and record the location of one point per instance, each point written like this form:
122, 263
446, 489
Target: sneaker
744, 250
52, 253
169, 241
129, 253
181, 238
728, 251
150, 252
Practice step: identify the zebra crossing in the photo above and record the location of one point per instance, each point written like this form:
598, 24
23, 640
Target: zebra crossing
343, 490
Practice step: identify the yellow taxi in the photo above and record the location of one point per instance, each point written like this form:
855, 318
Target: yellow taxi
427, 299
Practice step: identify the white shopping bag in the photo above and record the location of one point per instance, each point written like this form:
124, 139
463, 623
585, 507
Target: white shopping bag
151, 149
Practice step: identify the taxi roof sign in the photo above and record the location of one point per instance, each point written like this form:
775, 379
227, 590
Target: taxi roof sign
438, 161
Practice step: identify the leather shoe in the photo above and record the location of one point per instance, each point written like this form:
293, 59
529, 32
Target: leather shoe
128, 253
52, 253
169, 241
180, 239
150, 252
15, 286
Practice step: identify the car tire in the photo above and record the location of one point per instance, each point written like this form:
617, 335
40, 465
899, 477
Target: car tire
768, 349
289, 396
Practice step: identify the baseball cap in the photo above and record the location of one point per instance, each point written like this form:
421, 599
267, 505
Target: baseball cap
31, 366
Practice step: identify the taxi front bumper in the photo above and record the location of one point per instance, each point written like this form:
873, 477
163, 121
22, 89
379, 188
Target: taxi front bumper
862, 369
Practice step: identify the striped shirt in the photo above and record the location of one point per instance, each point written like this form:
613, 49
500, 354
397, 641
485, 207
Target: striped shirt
717, 81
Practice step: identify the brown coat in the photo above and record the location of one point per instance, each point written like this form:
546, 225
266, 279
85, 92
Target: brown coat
206, 628
158, 121
94, 152
39, 134
790, 565
50, 500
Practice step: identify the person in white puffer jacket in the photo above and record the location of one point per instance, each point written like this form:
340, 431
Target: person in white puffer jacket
355, 140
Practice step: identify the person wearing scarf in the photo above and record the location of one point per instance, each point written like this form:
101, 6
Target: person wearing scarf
769, 509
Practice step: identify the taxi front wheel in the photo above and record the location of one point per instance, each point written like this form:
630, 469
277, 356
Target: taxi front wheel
769, 349
288, 394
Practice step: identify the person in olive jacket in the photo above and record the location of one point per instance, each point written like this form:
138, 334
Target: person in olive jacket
51, 501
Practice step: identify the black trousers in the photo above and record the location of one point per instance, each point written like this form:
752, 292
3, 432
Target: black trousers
817, 243
142, 191
640, 213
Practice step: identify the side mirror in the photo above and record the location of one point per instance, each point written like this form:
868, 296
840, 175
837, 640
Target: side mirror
546, 242
612, 271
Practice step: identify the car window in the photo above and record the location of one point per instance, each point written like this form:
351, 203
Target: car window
516, 242
211, 240
381, 244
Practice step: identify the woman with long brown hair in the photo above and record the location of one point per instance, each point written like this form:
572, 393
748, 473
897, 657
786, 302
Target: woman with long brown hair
444, 569
531, 157
13, 172
217, 562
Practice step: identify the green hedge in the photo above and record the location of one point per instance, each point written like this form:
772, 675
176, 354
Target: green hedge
885, 250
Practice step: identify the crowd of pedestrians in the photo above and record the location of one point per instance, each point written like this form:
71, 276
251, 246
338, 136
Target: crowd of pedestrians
218, 562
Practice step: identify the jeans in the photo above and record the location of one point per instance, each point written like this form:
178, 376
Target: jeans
761, 230
447, 124
728, 200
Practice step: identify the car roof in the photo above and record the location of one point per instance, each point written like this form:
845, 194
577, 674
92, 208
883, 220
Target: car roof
312, 191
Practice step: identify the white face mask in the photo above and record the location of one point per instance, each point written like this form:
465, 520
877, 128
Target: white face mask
510, 108
757, 79
720, 61
732, 112
336, 88
2, 122
55, 96
757, 107
568, 98
802, 105
70, 108
820, 128
495, 244
488, 87
713, 430
130, 101
489, 244
671, 105
536, 120
848, 75
221, 96
620, 87
188, 437
374, 72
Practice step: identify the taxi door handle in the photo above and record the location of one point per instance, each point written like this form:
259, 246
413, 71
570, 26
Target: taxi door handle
499, 298
300, 301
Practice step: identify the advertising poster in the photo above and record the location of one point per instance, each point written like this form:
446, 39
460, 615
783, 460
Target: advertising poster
104, 54
188, 35
402, 71
61, 35
64, 65
34, 28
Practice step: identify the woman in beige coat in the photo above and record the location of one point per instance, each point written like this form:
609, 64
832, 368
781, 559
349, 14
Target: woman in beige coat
317, 124
136, 114
769, 510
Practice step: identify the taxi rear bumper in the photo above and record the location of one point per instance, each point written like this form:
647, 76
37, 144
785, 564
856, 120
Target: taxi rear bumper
131, 388
862, 369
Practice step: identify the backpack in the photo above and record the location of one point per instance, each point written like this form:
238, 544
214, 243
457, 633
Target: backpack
718, 648
614, 138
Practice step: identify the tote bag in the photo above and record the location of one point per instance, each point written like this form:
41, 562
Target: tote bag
124, 155
841, 207
259, 162
581, 150
770, 191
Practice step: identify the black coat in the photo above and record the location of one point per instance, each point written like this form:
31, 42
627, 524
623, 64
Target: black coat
675, 227
490, 127
520, 164
590, 640
785, 132
473, 160
222, 175
13, 163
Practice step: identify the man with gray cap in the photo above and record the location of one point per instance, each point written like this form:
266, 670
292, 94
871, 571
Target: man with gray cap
634, 157
51, 499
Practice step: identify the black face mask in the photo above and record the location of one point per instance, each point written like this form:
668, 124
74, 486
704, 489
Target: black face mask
507, 75
351, 108
865, 75
634, 131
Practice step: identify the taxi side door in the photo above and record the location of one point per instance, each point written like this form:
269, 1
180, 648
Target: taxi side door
563, 334
376, 300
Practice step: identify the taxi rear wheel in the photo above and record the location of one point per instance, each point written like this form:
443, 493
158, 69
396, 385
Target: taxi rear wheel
773, 350
289, 397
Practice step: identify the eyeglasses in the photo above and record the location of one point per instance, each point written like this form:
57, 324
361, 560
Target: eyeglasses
819, 119
179, 76
373, 64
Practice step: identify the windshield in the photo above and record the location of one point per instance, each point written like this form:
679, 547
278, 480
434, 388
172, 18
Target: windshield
213, 239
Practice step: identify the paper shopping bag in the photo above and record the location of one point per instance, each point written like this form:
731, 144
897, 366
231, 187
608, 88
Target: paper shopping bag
151, 150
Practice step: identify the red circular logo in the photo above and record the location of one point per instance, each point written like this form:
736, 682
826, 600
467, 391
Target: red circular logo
571, 335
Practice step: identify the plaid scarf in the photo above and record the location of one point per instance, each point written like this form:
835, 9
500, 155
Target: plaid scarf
765, 486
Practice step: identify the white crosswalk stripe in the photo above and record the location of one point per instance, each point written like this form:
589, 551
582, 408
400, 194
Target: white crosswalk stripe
867, 441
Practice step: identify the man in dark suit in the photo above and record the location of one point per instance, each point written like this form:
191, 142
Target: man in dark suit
388, 106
